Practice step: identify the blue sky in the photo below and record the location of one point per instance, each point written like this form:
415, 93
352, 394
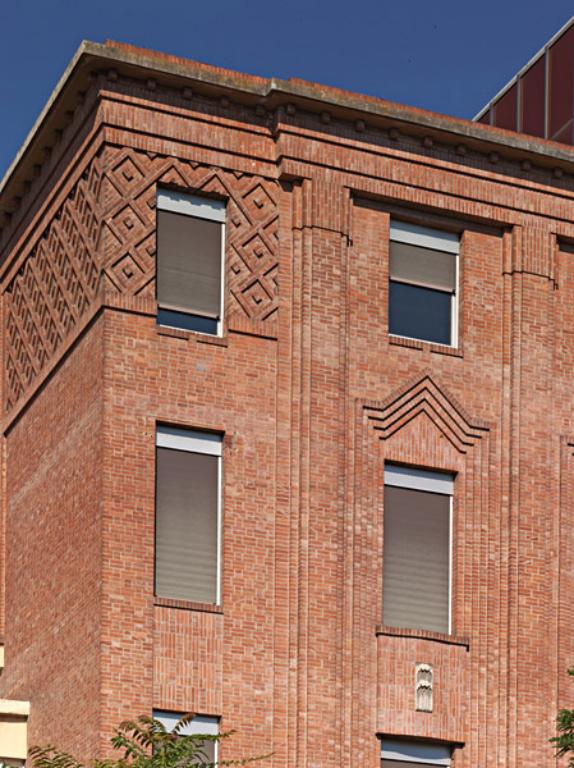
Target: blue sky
443, 55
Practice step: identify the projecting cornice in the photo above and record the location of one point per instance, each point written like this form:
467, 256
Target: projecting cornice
264, 95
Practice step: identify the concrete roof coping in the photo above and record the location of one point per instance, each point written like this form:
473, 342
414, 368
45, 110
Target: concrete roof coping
139, 62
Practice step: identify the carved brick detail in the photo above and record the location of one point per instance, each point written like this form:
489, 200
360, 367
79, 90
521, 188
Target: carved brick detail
422, 424
55, 286
424, 687
104, 234
424, 396
129, 192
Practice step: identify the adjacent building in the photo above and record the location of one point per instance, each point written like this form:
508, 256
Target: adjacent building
287, 421
539, 99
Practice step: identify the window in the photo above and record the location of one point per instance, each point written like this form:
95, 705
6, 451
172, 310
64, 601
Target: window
423, 283
14, 732
190, 247
187, 526
417, 548
398, 753
201, 725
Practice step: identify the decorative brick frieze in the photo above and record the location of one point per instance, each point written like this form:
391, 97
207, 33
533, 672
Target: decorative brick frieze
54, 287
104, 235
423, 396
128, 238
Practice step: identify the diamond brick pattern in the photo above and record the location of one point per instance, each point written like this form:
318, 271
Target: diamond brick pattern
54, 288
106, 227
129, 218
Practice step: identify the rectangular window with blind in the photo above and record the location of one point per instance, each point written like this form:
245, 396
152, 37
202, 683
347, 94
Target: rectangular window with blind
417, 551
201, 725
190, 258
401, 753
188, 515
423, 276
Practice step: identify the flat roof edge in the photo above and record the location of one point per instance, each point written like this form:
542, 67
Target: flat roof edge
37, 125
257, 88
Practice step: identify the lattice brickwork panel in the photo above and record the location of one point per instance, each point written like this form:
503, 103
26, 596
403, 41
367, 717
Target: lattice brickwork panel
129, 194
107, 227
54, 287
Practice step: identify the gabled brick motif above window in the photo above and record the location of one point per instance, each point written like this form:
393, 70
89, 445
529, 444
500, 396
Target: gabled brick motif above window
102, 240
423, 396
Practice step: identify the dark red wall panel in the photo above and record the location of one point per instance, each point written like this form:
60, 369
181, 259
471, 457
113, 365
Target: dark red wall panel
505, 110
533, 98
561, 82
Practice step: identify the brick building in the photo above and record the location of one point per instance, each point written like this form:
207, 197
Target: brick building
287, 421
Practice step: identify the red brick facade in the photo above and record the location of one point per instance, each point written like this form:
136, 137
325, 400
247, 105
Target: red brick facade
313, 395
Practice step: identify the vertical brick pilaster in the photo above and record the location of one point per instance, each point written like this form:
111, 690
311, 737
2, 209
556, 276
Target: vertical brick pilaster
326, 251
533, 499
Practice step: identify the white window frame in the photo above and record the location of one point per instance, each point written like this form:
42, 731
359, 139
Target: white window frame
206, 725
207, 443
436, 240
199, 208
416, 752
430, 481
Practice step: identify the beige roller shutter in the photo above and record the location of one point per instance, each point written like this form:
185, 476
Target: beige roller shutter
187, 489
189, 263
416, 559
403, 764
423, 266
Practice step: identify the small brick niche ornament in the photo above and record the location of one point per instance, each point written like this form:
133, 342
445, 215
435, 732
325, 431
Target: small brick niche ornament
424, 687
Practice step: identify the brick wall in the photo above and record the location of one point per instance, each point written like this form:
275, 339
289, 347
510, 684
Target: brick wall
313, 395
54, 540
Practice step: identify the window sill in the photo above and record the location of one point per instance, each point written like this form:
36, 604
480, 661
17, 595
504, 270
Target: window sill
423, 634
440, 349
200, 338
187, 605
216, 341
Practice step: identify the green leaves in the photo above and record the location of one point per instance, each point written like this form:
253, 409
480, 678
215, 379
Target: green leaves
564, 742
145, 743
50, 757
